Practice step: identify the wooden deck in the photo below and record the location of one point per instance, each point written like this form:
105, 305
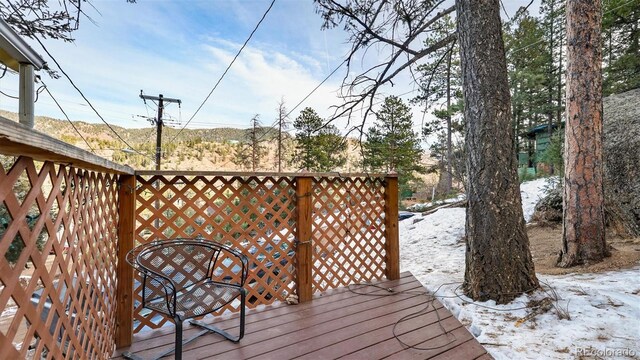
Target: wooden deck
336, 324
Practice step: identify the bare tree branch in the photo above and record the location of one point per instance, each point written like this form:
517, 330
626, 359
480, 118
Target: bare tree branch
385, 25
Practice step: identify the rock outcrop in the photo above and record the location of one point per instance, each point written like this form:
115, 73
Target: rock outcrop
622, 161
621, 168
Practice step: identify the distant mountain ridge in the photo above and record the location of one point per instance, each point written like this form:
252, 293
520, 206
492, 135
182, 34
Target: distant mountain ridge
212, 149
57, 128
195, 149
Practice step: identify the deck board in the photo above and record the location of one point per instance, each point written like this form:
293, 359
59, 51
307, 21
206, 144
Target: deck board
333, 325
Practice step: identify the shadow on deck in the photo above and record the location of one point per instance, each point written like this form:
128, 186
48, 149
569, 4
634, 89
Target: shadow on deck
334, 324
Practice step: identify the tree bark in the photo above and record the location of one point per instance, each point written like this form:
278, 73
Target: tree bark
498, 262
583, 237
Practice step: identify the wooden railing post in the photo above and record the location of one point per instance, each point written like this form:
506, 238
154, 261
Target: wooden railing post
124, 289
304, 262
392, 246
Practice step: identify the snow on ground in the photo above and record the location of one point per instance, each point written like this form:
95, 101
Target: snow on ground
532, 192
604, 307
418, 206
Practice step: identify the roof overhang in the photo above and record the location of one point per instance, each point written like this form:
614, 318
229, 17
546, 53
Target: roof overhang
15, 51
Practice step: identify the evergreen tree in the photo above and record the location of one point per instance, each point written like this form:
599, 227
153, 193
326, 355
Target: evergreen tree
621, 45
254, 141
283, 124
583, 230
242, 156
529, 79
318, 147
44, 18
440, 87
554, 23
249, 153
499, 265
391, 144
391, 28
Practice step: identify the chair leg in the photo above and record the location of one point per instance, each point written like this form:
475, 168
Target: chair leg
178, 351
207, 329
226, 335
243, 295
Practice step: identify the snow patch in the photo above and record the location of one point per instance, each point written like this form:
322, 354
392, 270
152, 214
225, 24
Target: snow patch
532, 192
604, 307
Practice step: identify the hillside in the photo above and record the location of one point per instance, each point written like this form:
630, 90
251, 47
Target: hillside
211, 149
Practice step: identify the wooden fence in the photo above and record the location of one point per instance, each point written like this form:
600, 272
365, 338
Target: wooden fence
338, 220
58, 245
69, 218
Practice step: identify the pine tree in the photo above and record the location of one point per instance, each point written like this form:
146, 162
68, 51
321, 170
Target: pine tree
621, 45
318, 147
554, 22
498, 261
392, 145
242, 156
283, 124
391, 28
529, 80
254, 141
583, 231
440, 79
46, 19
250, 152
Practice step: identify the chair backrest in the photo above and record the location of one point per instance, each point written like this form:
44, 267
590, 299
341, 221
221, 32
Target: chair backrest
184, 262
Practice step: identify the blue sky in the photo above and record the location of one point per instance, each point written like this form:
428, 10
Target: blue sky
180, 49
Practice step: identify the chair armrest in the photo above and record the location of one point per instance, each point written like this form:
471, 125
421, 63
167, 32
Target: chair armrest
244, 260
132, 259
169, 287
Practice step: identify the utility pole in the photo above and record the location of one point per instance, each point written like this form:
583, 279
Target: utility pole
158, 121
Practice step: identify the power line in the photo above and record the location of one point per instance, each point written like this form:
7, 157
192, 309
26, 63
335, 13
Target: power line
375, 103
317, 87
272, 127
46, 88
71, 81
226, 70
9, 96
149, 135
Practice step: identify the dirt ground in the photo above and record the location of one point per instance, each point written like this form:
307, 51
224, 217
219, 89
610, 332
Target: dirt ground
546, 242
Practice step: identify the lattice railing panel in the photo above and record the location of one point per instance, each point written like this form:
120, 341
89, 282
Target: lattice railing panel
348, 231
57, 260
255, 215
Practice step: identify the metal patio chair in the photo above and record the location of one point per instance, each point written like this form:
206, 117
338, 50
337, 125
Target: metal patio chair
185, 278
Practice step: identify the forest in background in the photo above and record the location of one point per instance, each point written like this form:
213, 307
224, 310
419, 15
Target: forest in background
535, 48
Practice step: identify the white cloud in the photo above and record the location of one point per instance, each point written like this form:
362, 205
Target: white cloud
181, 51
111, 65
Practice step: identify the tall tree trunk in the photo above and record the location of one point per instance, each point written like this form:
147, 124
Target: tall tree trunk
517, 132
550, 84
559, 90
530, 150
583, 237
280, 119
448, 179
282, 124
498, 262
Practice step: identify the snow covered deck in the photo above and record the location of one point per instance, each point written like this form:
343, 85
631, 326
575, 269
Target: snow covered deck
338, 323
